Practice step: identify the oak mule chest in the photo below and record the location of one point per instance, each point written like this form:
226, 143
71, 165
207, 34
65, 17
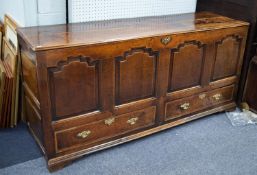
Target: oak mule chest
94, 85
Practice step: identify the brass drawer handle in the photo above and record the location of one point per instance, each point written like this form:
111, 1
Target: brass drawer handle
217, 97
132, 121
166, 40
202, 96
185, 106
109, 121
84, 134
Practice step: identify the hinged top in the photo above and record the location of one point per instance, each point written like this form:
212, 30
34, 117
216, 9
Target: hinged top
79, 34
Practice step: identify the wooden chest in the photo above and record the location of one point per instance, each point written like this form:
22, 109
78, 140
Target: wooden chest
94, 85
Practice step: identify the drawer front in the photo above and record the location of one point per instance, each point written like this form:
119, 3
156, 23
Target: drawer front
181, 107
104, 129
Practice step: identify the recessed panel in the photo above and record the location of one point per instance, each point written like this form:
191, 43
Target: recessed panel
226, 57
186, 65
29, 73
74, 87
135, 75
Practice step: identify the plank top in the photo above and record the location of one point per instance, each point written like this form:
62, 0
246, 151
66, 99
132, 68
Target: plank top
88, 33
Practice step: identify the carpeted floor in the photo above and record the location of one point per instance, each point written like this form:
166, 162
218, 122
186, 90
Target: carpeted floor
17, 146
209, 146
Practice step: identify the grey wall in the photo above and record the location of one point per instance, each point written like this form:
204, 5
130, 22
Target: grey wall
34, 12
14, 8
51, 12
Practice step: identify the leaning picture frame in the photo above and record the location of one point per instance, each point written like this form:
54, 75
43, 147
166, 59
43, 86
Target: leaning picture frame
1, 37
10, 26
10, 58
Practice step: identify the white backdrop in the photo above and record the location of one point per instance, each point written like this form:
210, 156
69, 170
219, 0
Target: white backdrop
45, 12
91, 10
34, 12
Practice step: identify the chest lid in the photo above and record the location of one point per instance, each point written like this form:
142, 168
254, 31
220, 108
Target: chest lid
80, 34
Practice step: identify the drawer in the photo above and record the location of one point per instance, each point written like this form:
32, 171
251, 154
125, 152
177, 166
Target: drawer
181, 107
103, 129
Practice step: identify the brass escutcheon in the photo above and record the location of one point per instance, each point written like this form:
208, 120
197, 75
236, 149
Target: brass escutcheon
166, 40
84, 134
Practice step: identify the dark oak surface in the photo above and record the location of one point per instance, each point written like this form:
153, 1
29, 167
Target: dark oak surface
245, 10
94, 85
78, 34
250, 95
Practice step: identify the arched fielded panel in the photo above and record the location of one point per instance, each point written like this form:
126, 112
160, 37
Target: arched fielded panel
74, 87
186, 65
226, 57
136, 75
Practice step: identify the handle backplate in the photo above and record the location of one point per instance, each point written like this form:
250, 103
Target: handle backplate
185, 106
109, 121
84, 134
217, 97
132, 121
